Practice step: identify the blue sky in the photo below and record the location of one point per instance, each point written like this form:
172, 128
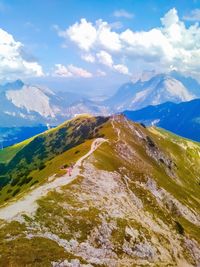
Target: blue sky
42, 28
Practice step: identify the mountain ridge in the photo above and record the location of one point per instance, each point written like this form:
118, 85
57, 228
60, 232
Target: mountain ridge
159, 89
181, 118
134, 201
55, 107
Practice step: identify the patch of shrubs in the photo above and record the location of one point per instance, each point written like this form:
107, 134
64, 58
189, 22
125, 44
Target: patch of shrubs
150, 142
161, 160
15, 181
9, 191
16, 192
179, 228
41, 166
25, 180
34, 182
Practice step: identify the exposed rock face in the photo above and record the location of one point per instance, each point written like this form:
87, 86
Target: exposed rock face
156, 90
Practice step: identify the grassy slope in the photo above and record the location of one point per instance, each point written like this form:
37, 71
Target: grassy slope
107, 159
43, 156
9, 152
74, 221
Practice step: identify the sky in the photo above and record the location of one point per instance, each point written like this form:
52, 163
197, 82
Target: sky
93, 46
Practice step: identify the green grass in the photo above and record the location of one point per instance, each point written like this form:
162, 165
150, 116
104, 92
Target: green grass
74, 211
35, 160
37, 252
184, 188
68, 221
9, 152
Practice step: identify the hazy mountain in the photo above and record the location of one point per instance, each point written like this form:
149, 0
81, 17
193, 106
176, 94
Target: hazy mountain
191, 84
27, 105
24, 105
159, 89
132, 198
13, 135
182, 119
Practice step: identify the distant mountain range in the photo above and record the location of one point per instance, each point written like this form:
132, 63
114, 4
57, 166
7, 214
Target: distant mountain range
159, 89
25, 105
182, 119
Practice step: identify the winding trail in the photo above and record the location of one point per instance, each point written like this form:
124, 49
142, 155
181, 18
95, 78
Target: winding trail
116, 130
28, 204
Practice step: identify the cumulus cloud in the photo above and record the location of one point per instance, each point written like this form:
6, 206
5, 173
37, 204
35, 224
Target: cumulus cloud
171, 46
83, 34
194, 15
88, 57
13, 63
105, 58
86, 35
71, 71
62, 71
121, 69
123, 14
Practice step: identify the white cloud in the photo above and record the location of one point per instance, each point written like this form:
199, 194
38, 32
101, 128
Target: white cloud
71, 71
13, 64
62, 71
173, 45
86, 35
105, 58
123, 14
100, 73
88, 57
107, 38
194, 15
116, 25
170, 18
83, 34
121, 69
79, 72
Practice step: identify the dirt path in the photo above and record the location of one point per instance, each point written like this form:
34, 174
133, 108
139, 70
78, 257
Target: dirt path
117, 130
28, 204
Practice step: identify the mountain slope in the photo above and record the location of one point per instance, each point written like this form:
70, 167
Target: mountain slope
182, 119
157, 90
191, 84
29, 105
14, 135
132, 198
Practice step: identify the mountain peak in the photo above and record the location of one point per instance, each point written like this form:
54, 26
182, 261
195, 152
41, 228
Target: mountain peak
153, 91
14, 85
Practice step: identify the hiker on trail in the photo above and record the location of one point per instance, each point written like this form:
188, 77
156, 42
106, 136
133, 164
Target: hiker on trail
70, 169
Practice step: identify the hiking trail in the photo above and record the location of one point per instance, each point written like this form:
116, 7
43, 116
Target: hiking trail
28, 204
